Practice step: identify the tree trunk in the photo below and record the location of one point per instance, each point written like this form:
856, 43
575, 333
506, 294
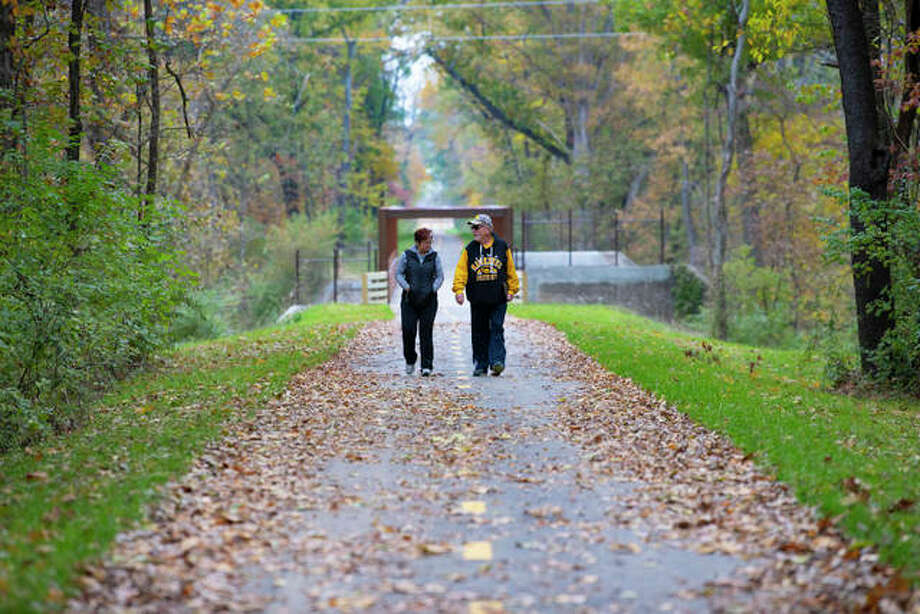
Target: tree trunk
707, 159
750, 208
74, 36
720, 221
7, 72
153, 81
7, 31
346, 140
635, 185
290, 188
907, 118
687, 216
99, 132
869, 158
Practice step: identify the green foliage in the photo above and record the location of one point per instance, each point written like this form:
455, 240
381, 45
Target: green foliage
761, 309
199, 316
259, 291
890, 234
759, 302
86, 290
145, 432
769, 402
688, 292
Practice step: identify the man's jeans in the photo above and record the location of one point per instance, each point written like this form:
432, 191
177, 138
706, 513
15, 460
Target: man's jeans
488, 334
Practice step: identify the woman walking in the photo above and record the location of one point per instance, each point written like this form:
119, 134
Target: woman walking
419, 274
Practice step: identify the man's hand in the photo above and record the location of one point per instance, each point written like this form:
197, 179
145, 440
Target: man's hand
459, 297
510, 297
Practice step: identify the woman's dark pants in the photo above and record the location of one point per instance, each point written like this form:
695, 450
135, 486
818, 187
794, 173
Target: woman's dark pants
487, 324
419, 319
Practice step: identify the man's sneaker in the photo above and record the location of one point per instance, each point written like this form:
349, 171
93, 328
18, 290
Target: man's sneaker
410, 368
426, 372
478, 372
497, 368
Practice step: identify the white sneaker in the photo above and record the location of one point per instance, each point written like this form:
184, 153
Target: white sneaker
410, 369
426, 372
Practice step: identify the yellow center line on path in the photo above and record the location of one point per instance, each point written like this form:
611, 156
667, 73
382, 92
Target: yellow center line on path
477, 551
486, 607
464, 386
473, 507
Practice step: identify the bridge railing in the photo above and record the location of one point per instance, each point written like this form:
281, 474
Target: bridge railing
641, 240
334, 278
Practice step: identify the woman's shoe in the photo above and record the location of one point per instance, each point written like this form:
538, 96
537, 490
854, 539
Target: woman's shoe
497, 368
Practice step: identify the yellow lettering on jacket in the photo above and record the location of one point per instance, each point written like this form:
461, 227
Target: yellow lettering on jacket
486, 268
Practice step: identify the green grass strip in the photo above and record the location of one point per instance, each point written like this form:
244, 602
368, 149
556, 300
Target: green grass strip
856, 458
62, 503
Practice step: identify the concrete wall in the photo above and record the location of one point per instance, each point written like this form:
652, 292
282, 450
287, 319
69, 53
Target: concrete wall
643, 289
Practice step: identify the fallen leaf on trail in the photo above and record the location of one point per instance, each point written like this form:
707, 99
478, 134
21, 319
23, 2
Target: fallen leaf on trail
902, 505
37, 476
527, 479
434, 548
795, 547
856, 486
546, 512
570, 599
896, 589
630, 547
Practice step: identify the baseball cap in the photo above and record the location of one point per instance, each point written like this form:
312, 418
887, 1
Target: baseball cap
481, 220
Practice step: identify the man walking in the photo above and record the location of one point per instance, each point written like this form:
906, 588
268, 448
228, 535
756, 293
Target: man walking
486, 271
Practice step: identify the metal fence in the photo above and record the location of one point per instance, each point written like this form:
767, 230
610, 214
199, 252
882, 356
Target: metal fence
641, 240
336, 278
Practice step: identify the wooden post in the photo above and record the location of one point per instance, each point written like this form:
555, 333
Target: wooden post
297, 276
570, 237
616, 239
335, 274
523, 240
661, 235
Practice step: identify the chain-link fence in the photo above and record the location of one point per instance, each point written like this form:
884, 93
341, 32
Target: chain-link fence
334, 279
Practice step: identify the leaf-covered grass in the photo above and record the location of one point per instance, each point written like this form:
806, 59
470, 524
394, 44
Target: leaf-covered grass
856, 459
64, 502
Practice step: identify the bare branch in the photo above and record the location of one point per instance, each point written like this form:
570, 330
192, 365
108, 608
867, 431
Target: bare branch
188, 128
493, 111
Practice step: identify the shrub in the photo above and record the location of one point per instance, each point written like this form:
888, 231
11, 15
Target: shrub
199, 316
759, 302
891, 233
688, 292
86, 289
268, 286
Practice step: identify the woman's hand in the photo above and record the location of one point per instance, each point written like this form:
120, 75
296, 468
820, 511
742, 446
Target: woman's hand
459, 297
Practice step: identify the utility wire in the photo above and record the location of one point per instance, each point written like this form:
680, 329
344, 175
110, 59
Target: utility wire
460, 38
435, 7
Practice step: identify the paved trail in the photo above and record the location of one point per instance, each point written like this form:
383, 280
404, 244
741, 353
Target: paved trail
553, 488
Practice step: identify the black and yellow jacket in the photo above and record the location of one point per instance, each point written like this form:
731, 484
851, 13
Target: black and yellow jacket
483, 269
